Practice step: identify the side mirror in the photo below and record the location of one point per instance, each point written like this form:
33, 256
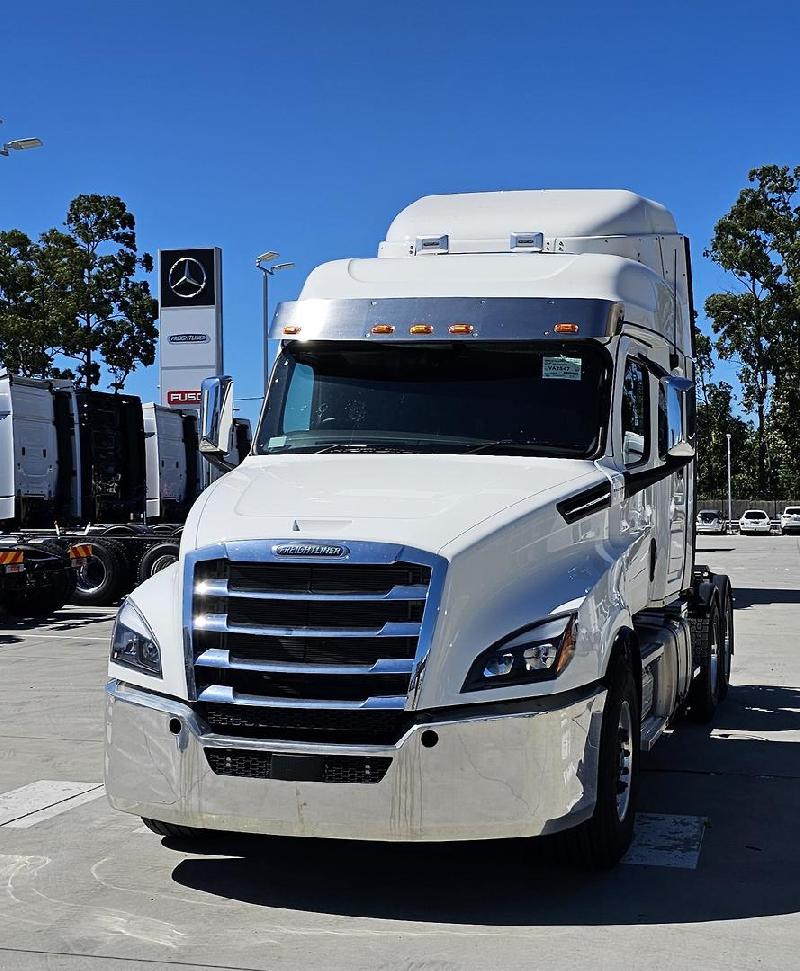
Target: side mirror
675, 389
216, 420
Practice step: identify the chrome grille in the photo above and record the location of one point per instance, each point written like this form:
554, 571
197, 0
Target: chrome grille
291, 640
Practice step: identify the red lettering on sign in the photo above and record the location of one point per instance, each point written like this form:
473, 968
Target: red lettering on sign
183, 397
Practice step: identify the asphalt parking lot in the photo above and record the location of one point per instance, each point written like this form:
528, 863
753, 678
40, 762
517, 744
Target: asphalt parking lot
714, 879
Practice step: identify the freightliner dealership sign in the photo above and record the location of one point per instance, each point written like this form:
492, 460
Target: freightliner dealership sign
190, 311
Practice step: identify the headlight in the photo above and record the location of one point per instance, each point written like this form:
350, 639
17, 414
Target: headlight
133, 643
539, 652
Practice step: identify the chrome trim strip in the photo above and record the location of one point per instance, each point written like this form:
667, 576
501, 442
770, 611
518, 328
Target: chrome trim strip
494, 318
218, 658
218, 624
223, 695
220, 588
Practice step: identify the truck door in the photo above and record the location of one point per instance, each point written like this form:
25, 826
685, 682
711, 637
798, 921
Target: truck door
634, 456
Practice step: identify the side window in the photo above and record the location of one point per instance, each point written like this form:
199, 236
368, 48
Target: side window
663, 422
635, 414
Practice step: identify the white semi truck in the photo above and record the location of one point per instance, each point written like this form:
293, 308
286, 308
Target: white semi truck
451, 594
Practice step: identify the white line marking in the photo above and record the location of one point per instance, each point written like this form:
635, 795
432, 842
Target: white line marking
62, 637
30, 804
663, 840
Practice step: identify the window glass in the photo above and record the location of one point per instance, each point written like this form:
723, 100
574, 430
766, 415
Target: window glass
635, 419
663, 424
508, 398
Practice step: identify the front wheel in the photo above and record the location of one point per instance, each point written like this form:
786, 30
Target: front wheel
602, 840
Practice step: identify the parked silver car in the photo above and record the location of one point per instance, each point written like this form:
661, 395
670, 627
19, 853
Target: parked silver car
711, 521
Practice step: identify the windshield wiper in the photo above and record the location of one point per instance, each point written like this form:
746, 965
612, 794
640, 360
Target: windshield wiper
362, 448
513, 443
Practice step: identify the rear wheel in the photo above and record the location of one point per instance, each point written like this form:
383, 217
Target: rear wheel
102, 576
706, 652
722, 583
602, 841
159, 556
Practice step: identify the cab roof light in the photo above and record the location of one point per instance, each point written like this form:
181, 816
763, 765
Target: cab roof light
382, 329
566, 328
291, 330
461, 329
420, 329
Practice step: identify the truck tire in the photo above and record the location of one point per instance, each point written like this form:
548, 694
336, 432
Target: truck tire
100, 581
723, 585
706, 643
69, 579
172, 830
603, 840
157, 557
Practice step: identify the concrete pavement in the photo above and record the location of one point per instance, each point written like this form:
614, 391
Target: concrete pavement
84, 887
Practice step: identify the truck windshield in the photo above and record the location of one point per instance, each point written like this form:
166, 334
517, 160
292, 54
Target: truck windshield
504, 398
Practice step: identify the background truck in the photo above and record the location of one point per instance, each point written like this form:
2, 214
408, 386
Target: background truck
81, 466
451, 594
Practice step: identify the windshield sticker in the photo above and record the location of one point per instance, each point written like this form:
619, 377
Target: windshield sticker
564, 368
277, 442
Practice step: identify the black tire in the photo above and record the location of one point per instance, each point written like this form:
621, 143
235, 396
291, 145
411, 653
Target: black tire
603, 840
171, 830
101, 579
706, 641
723, 585
156, 558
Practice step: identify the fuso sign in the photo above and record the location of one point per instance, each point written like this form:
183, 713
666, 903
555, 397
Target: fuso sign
183, 397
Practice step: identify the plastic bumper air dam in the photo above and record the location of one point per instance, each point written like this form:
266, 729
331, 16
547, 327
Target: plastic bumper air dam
488, 775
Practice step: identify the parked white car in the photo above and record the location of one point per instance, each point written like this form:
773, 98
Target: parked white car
790, 519
755, 521
711, 521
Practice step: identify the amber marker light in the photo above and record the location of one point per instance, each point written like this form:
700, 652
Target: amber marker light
291, 331
420, 329
382, 329
461, 329
566, 328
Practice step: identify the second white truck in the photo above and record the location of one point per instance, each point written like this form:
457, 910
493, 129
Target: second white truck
451, 594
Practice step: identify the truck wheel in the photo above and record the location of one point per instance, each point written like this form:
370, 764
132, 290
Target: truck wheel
101, 578
159, 555
706, 645
602, 841
723, 585
172, 830
68, 580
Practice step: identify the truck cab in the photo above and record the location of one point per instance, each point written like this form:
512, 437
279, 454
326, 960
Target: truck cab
451, 593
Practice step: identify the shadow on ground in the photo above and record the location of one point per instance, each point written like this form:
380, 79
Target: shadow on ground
747, 788
750, 596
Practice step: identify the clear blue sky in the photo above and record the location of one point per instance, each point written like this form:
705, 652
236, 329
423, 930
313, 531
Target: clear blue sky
304, 126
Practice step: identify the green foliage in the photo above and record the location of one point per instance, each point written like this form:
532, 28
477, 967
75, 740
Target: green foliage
75, 295
757, 242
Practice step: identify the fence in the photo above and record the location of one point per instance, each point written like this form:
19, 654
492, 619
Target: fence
772, 507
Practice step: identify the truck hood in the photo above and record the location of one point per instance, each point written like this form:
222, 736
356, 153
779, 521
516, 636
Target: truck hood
424, 501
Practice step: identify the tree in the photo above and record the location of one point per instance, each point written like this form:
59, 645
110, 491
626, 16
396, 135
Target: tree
74, 294
29, 308
112, 314
758, 243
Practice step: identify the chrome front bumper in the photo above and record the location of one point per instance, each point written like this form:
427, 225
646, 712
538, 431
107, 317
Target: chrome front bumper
489, 775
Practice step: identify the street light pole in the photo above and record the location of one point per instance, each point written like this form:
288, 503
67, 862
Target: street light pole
263, 263
730, 521
19, 144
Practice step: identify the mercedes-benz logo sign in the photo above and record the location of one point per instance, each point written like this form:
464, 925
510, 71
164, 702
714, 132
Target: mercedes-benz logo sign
187, 278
